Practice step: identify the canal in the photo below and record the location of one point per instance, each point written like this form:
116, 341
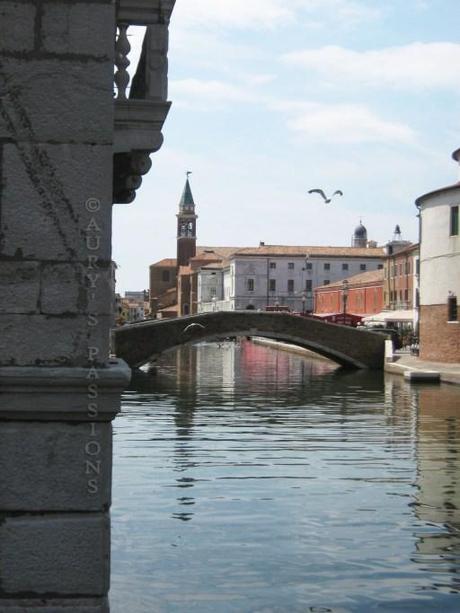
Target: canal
248, 479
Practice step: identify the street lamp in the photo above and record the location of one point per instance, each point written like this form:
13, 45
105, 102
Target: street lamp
345, 295
304, 299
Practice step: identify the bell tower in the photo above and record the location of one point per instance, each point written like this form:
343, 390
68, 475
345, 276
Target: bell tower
186, 226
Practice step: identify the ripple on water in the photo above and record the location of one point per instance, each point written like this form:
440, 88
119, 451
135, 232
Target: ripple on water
249, 479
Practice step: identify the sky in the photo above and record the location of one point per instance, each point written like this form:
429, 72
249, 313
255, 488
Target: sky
271, 98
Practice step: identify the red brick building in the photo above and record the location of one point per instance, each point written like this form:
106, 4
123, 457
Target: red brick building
363, 295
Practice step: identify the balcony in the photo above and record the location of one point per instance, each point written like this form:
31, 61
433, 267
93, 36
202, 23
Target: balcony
141, 105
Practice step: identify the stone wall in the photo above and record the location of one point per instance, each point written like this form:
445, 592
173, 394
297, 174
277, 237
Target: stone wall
439, 339
59, 390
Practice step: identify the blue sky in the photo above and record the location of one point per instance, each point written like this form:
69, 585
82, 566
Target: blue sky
274, 97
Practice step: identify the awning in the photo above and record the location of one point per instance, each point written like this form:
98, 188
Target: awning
404, 315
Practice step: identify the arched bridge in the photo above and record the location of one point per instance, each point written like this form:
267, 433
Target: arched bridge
141, 342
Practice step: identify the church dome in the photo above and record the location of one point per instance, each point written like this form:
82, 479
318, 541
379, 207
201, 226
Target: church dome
360, 231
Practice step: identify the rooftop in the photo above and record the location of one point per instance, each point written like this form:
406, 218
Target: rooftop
363, 278
315, 251
172, 262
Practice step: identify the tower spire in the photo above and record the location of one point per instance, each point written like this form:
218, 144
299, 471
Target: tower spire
186, 203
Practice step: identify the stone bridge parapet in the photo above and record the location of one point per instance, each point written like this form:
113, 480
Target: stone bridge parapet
142, 342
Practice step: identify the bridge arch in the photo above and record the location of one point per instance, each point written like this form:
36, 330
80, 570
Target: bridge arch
141, 342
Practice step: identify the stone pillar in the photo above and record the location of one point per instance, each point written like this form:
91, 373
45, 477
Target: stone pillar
59, 390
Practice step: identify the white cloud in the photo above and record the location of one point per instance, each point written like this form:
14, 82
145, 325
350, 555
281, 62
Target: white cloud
348, 124
414, 66
247, 14
325, 123
213, 91
260, 14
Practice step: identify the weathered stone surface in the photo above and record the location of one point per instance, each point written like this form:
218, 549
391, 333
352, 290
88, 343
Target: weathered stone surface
80, 108
54, 605
55, 466
17, 21
19, 287
52, 340
61, 554
66, 288
67, 29
59, 393
56, 202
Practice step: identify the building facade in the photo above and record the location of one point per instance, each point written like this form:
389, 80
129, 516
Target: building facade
163, 282
275, 275
440, 273
360, 294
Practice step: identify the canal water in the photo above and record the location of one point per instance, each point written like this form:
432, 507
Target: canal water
248, 479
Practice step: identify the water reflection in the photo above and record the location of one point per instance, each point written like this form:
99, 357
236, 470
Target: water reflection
438, 498
249, 479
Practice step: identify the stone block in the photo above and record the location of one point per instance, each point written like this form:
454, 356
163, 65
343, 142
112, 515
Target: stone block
56, 202
54, 605
80, 28
19, 287
55, 466
17, 24
60, 554
66, 288
33, 340
57, 100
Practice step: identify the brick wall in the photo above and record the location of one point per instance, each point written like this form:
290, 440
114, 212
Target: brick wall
439, 340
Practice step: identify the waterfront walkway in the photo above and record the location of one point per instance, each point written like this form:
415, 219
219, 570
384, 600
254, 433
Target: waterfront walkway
405, 362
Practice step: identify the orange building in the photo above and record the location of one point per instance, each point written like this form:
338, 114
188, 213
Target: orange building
358, 295
400, 269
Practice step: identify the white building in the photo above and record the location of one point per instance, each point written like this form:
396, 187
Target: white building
275, 275
440, 273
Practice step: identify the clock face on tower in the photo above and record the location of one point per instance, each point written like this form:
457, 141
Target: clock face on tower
186, 229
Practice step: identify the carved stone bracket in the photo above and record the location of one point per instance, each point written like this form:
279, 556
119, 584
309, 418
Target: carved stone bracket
139, 118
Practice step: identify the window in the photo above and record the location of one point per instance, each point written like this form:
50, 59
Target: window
165, 277
417, 266
344, 266
272, 264
308, 285
452, 313
309, 266
454, 220
291, 265
379, 267
326, 282
272, 285
362, 267
290, 285
213, 291
327, 266
406, 295
250, 285
407, 267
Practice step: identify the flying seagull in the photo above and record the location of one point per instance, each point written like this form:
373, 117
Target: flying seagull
323, 195
193, 328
